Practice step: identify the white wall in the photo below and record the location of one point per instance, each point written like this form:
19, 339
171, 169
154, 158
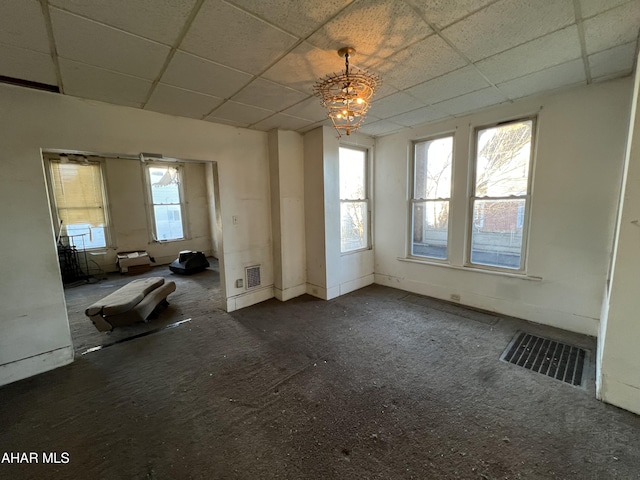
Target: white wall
286, 167
577, 169
34, 332
618, 379
329, 273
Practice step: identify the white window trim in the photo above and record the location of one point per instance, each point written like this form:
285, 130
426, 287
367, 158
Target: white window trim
367, 199
524, 253
108, 237
151, 220
412, 200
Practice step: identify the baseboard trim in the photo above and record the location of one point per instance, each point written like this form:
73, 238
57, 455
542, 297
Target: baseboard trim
288, 293
249, 298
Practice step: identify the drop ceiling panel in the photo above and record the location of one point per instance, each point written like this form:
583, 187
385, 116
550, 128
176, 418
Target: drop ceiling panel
232, 37
553, 49
445, 12
238, 112
200, 75
458, 82
612, 28
159, 20
303, 66
102, 46
185, 103
285, 122
472, 101
22, 25
570, 73
27, 65
299, 18
419, 116
619, 59
590, 8
309, 109
423, 61
86, 81
507, 24
272, 96
394, 104
381, 127
226, 122
376, 28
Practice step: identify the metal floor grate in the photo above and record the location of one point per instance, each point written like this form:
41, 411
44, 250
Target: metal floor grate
553, 359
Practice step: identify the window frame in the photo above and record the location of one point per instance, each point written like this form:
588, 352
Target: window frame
50, 159
151, 217
471, 198
366, 199
412, 200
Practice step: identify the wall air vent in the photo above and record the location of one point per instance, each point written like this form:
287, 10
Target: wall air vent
252, 275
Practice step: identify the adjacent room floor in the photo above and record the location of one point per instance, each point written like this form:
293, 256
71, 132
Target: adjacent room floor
375, 384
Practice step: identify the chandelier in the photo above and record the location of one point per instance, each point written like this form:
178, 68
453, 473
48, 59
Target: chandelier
346, 95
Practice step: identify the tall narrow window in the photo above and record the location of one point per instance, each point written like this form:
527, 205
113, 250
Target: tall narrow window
432, 165
354, 202
500, 198
166, 200
79, 199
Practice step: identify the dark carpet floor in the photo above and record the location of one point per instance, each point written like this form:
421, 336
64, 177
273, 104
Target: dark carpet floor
376, 384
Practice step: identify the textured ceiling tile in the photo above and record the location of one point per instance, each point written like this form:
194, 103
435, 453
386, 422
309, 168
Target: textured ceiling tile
570, 73
507, 24
224, 121
309, 109
381, 127
159, 20
266, 94
618, 60
283, 122
423, 61
544, 52
86, 81
445, 12
232, 37
99, 45
184, 103
238, 112
375, 28
612, 28
27, 65
22, 25
194, 73
458, 82
299, 18
593, 7
394, 104
303, 66
419, 117
472, 101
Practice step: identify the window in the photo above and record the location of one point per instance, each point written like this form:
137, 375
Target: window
430, 198
354, 204
164, 185
79, 201
500, 196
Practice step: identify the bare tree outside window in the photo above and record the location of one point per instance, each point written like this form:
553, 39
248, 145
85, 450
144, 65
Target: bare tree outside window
501, 189
354, 203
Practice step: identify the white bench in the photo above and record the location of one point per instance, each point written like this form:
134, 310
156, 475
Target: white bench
134, 302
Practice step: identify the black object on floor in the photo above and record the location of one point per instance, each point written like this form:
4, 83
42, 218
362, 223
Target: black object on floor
189, 262
553, 359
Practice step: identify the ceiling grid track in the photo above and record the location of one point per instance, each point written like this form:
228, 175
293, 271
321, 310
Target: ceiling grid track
174, 48
583, 44
291, 49
44, 4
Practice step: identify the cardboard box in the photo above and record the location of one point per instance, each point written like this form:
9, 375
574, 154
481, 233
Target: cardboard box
133, 263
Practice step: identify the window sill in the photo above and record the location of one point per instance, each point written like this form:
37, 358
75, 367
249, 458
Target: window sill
360, 250
521, 276
170, 241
